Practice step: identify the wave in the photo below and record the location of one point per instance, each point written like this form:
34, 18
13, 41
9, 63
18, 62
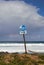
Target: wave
17, 44
20, 47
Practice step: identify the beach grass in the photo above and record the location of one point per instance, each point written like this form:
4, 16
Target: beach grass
21, 59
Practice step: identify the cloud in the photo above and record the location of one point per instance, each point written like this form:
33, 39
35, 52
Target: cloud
14, 14
10, 0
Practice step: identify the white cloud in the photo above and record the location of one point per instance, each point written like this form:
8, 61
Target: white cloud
13, 14
20, 12
10, 0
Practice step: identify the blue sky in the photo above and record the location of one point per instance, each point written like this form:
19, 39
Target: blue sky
38, 3
14, 13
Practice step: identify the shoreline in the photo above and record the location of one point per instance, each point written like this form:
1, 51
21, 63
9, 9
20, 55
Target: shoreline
20, 47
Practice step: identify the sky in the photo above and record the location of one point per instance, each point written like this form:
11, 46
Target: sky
14, 13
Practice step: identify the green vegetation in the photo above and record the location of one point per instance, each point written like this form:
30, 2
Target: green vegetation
21, 59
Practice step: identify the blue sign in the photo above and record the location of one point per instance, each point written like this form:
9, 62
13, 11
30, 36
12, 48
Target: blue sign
23, 29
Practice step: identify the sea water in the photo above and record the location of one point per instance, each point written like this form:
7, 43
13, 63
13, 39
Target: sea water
19, 47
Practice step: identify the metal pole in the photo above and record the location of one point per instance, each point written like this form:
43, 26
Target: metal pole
24, 43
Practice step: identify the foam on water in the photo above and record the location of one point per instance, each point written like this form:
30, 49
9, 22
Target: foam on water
7, 47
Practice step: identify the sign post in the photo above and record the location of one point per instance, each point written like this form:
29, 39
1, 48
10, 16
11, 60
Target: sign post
23, 31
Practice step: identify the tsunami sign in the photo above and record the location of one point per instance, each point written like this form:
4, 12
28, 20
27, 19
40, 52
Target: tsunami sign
23, 29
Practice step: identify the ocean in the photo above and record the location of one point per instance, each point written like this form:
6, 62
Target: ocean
19, 47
